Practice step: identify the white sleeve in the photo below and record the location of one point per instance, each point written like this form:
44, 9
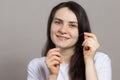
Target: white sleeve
33, 72
104, 70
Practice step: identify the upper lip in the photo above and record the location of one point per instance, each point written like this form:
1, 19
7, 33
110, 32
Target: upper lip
62, 36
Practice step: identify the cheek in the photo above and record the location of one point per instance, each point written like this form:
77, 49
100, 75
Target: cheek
53, 28
74, 33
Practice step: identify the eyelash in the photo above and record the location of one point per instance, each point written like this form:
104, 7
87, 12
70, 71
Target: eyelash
71, 25
57, 22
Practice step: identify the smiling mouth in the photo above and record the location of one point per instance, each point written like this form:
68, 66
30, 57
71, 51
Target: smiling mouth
62, 38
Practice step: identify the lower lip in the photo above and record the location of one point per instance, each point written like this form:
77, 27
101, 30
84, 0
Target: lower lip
62, 38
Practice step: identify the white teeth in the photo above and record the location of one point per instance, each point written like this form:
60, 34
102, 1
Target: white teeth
62, 38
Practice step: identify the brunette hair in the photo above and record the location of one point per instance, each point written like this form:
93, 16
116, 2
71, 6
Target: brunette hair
76, 66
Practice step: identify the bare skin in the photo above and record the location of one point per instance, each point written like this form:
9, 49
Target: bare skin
90, 45
64, 34
53, 61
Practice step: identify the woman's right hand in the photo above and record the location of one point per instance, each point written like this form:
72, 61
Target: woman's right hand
53, 60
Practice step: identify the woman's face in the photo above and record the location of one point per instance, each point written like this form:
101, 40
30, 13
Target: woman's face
64, 28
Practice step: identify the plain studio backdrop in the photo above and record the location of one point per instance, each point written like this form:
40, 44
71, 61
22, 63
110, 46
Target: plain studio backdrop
23, 25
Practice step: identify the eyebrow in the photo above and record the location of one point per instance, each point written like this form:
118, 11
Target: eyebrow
62, 20
57, 19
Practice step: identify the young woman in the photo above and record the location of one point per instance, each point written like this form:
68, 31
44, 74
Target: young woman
70, 52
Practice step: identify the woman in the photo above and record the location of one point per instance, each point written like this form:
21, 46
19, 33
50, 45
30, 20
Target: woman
70, 52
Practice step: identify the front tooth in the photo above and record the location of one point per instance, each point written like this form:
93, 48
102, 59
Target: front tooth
62, 38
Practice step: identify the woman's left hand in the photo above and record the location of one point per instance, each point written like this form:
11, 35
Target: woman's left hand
90, 45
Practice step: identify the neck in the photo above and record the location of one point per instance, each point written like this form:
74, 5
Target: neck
67, 53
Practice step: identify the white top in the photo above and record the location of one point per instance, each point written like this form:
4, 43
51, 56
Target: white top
37, 69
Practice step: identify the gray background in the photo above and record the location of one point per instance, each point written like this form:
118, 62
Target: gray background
23, 32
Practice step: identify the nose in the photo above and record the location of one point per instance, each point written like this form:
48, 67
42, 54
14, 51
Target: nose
63, 29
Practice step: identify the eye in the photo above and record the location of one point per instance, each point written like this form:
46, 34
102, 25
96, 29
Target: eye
57, 22
73, 25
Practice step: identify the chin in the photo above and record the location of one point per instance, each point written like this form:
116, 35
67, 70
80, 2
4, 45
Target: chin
60, 46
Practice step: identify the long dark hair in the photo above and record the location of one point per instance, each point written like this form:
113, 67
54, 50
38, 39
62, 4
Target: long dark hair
76, 66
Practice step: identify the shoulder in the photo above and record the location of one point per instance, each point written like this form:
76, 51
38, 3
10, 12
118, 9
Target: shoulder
37, 62
101, 56
37, 69
103, 66
38, 66
102, 60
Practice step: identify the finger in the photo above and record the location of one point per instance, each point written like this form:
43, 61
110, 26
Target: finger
56, 58
84, 42
88, 43
53, 52
54, 49
89, 35
53, 63
53, 60
86, 46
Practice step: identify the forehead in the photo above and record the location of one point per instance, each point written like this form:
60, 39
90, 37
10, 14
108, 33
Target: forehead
65, 14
